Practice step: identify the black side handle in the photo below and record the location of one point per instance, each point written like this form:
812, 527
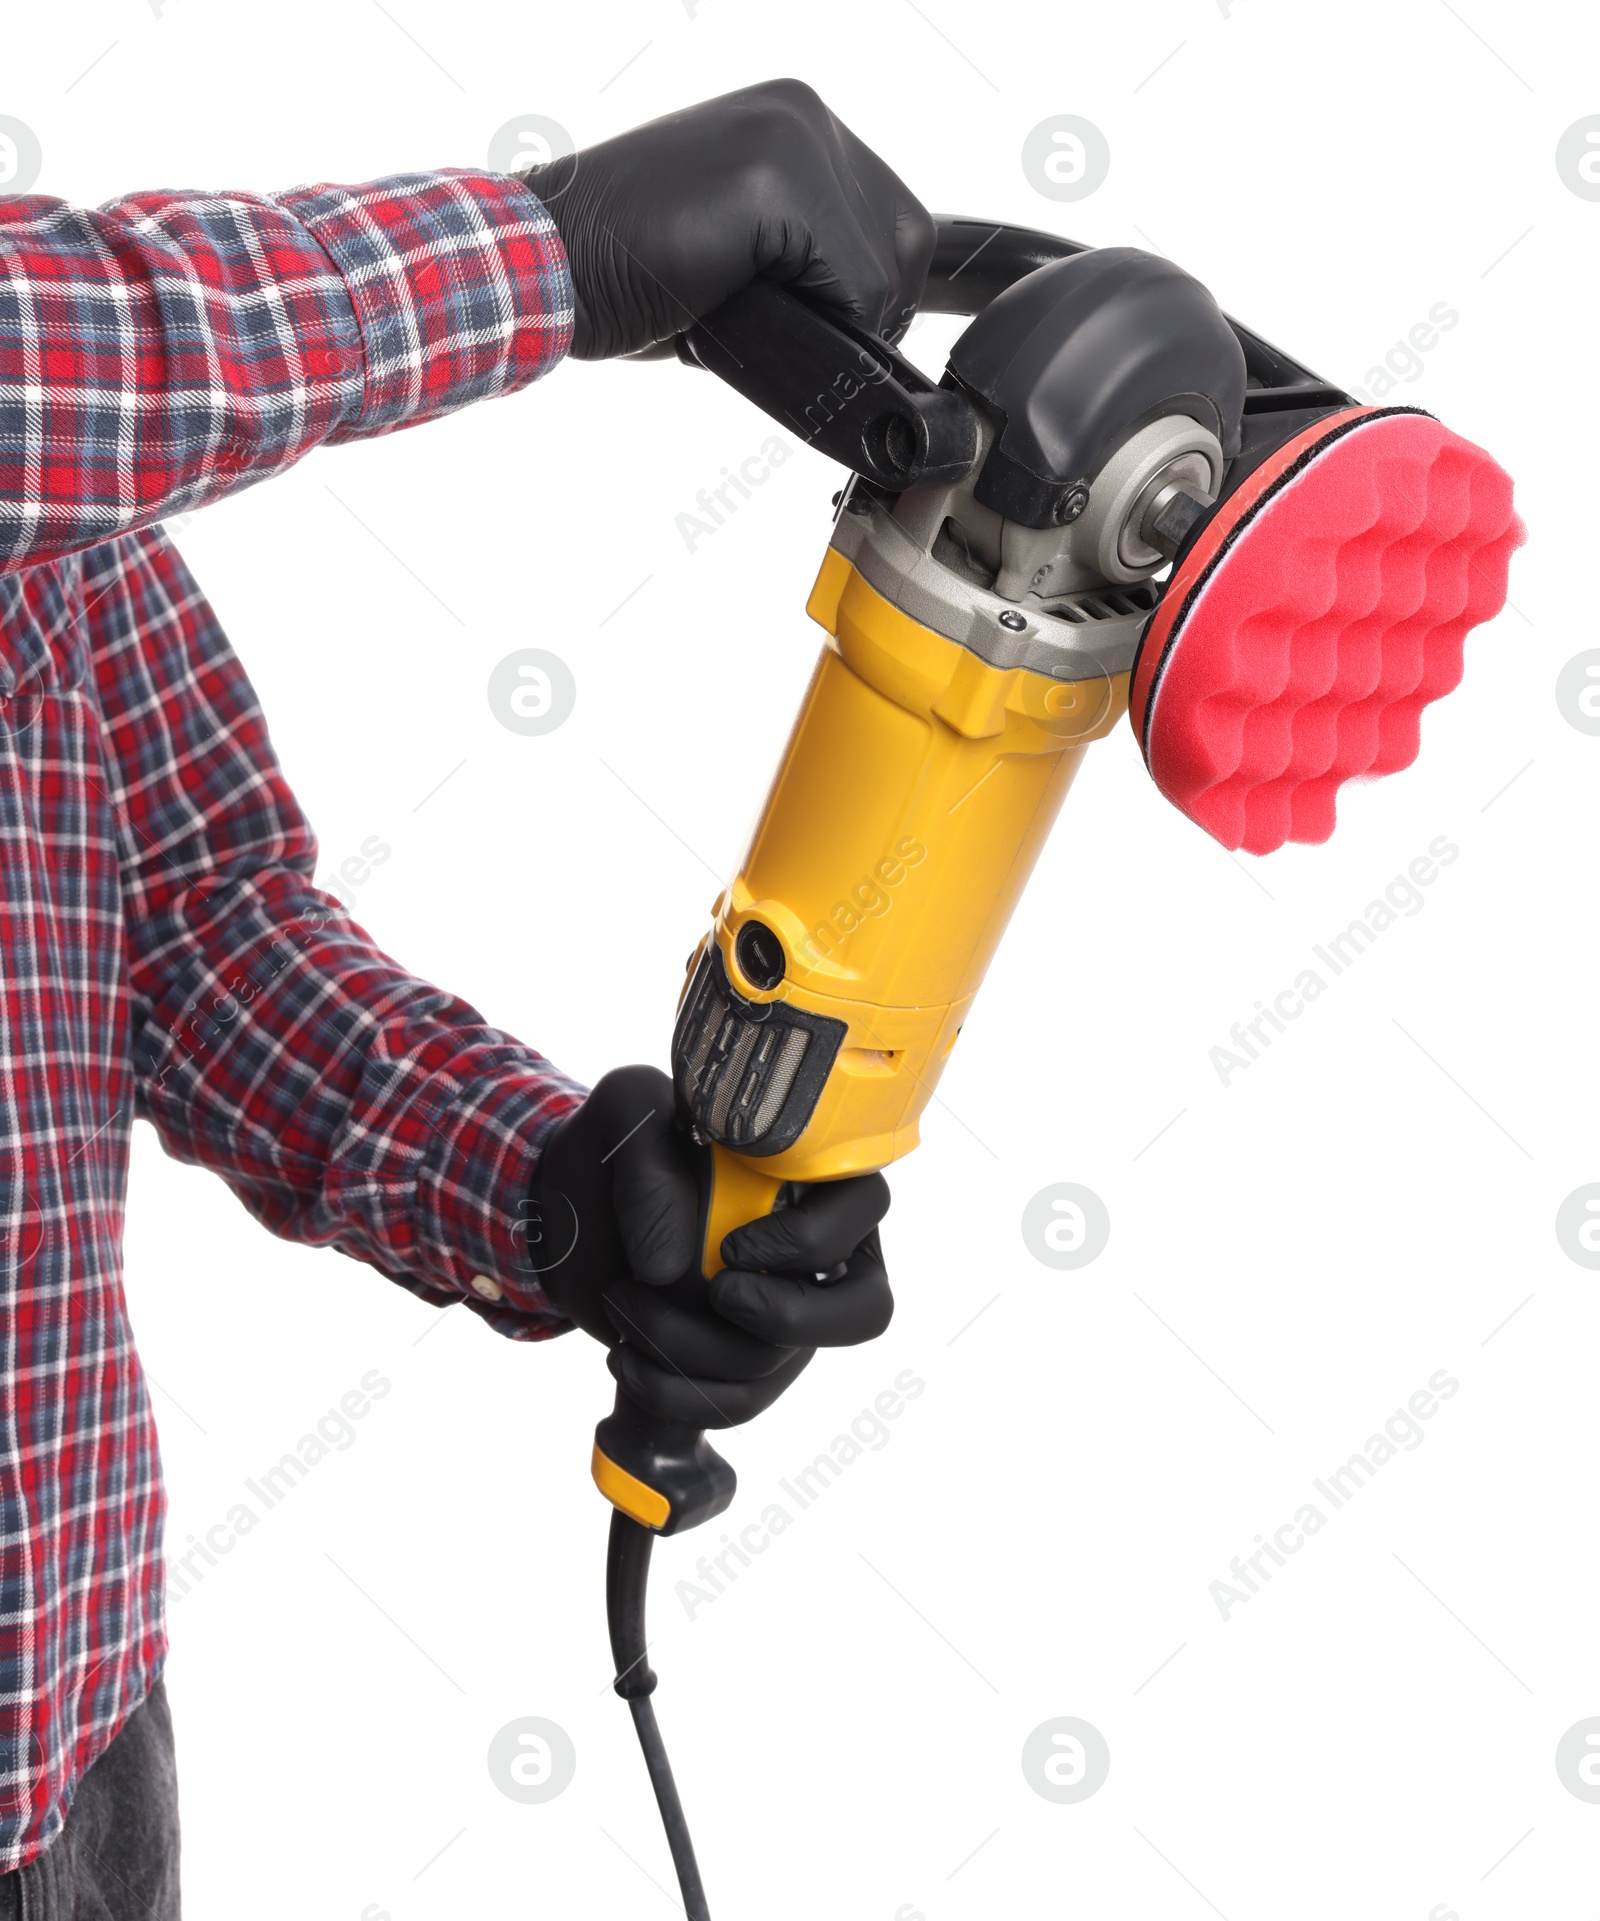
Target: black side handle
841, 389
850, 395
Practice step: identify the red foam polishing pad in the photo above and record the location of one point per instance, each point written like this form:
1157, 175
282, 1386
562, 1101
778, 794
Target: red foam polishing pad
1318, 613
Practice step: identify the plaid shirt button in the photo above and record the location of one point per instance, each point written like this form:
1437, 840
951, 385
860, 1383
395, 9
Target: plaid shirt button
489, 1289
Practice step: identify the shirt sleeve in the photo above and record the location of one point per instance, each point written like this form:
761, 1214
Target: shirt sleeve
347, 1103
169, 348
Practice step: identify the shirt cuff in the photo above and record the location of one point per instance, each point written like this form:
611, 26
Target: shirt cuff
459, 283
472, 1195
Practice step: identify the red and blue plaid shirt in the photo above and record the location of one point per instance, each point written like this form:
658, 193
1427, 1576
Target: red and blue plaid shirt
164, 951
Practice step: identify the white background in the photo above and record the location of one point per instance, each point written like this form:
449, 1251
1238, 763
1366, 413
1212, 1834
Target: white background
1293, 1256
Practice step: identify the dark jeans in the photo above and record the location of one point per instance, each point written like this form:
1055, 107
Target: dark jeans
117, 1857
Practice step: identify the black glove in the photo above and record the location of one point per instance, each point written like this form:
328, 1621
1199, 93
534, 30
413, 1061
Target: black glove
613, 1225
663, 224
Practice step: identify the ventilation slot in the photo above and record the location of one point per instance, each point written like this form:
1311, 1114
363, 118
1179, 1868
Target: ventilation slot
1107, 603
780, 1056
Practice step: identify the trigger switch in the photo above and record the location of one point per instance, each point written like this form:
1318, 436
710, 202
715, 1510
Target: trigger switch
759, 953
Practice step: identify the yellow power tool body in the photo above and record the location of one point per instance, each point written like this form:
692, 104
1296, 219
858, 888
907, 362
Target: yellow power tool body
918, 786
914, 796
983, 606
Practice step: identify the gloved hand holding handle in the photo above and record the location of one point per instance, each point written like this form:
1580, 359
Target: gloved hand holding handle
613, 1236
664, 223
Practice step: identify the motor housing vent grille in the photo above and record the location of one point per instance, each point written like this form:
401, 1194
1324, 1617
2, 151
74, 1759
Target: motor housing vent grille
748, 1073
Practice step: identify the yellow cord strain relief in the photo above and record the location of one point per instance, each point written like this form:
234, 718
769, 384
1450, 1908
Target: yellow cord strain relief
624, 1490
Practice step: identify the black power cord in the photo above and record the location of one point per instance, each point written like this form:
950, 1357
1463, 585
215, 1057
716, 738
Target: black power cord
627, 1580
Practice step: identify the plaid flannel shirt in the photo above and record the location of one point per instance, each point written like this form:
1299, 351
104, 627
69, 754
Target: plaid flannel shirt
164, 951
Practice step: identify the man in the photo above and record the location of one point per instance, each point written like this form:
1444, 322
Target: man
164, 951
